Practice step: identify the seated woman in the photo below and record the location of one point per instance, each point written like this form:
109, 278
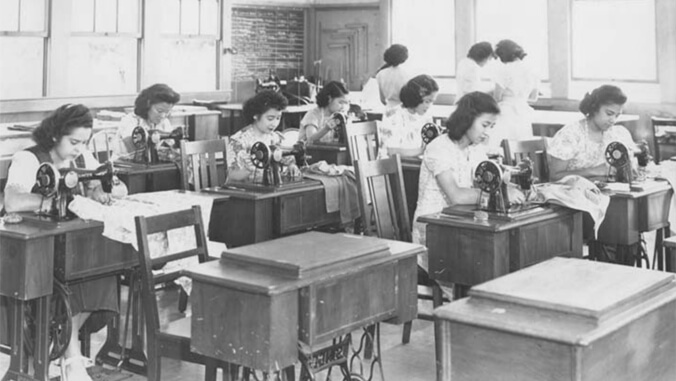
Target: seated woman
449, 161
400, 130
579, 147
151, 111
61, 139
317, 125
263, 112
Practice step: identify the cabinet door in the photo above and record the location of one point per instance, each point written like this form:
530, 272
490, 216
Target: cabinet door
302, 211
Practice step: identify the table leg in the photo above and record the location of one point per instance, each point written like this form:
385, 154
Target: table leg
442, 349
18, 365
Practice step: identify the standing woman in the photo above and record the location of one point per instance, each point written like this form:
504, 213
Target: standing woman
392, 76
468, 74
516, 84
61, 139
400, 132
579, 147
263, 112
449, 161
317, 124
151, 111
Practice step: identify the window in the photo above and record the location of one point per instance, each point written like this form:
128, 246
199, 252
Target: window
427, 29
190, 44
614, 40
23, 36
103, 48
522, 21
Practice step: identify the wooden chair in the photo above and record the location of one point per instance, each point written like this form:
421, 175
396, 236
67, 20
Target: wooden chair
101, 144
664, 149
382, 182
533, 149
362, 140
172, 340
199, 163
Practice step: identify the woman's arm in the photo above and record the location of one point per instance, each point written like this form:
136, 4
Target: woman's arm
498, 92
455, 194
314, 134
19, 201
557, 170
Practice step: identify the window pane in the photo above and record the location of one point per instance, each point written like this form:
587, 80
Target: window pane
209, 17
614, 42
102, 65
427, 29
106, 16
21, 67
128, 16
523, 21
189, 64
32, 15
82, 16
190, 16
9, 15
171, 12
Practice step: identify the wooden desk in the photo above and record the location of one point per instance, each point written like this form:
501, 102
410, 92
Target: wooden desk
251, 312
256, 216
466, 252
141, 178
233, 109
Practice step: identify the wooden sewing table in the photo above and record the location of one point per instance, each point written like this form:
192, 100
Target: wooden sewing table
466, 252
259, 215
254, 306
632, 212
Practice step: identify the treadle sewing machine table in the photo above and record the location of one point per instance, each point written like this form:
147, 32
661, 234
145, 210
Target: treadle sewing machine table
633, 212
466, 252
32, 254
257, 215
254, 306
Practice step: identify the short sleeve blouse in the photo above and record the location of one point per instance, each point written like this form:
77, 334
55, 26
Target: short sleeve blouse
317, 117
239, 145
402, 129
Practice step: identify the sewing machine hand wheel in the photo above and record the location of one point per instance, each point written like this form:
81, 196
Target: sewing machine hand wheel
488, 176
47, 179
60, 323
139, 137
617, 154
260, 155
429, 132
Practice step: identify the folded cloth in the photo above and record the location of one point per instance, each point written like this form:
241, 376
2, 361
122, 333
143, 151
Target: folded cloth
577, 193
119, 225
340, 188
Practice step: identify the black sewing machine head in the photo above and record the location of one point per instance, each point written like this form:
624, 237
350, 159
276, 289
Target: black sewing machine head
643, 155
492, 179
269, 159
62, 184
271, 83
339, 122
148, 142
618, 157
430, 131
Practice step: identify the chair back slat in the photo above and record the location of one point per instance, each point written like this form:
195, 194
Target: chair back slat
199, 163
362, 140
382, 182
516, 151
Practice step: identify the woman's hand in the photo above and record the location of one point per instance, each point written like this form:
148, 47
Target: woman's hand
97, 194
515, 195
293, 171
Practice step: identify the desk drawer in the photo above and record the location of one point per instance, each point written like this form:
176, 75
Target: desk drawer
653, 211
302, 211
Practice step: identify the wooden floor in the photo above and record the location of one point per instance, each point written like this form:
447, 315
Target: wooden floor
412, 362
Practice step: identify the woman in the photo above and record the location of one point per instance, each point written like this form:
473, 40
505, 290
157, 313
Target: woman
516, 84
400, 132
392, 76
61, 139
449, 161
263, 112
317, 124
579, 147
151, 111
468, 73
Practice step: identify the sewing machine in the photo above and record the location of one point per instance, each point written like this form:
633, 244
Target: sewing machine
148, 142
493, 179
430, 131
618, 157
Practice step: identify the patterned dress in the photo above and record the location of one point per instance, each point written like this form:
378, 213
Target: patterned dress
239, 147
401, 129
441, 155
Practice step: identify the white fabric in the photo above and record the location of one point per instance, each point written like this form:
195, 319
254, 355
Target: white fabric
390, 81
401, 129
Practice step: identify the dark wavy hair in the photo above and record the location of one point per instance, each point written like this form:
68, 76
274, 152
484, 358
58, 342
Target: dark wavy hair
603, 95
61, 122
469, 107
480, 51
261, 103
333, 89
395, 55
154, 94
509, 51
412, 93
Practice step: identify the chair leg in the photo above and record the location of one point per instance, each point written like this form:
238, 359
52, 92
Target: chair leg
154, 363
406, 335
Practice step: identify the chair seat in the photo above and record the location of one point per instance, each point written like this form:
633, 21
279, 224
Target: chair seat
670, 242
